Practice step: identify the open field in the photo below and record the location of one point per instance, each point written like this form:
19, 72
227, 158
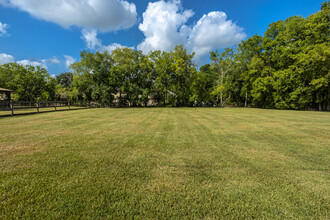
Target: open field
166, 163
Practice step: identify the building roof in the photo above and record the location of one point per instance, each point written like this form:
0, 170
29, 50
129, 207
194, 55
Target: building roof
5, 90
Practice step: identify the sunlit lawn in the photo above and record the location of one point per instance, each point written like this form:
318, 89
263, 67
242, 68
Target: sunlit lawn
163, 163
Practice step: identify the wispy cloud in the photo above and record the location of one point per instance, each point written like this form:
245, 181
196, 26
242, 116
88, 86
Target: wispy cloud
94, 43
6, 58
68, 61
3, 29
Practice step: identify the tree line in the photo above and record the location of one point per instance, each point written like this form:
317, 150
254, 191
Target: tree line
286, 68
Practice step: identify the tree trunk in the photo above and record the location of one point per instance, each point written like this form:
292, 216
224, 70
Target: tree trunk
119, 103
245, 105
221, 101
221, 94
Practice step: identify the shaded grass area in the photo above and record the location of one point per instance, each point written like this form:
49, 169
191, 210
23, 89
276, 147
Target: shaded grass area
165, 163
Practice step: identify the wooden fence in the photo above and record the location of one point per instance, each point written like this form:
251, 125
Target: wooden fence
11, 108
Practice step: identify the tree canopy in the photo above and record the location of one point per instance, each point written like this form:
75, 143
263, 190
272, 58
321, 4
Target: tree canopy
286, 68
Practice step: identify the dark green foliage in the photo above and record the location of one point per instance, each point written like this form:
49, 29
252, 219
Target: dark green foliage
287, 68
65, 79
183, 69
93, 78
28, 83
203, 82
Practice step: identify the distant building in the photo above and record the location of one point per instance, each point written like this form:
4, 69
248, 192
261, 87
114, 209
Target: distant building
5, 94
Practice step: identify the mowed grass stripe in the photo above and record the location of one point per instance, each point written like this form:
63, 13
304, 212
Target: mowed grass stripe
165, 163
267, 173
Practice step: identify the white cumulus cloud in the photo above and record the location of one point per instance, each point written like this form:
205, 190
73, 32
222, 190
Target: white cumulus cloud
5, 58
103, 15
3, 29
214, 31
165, 26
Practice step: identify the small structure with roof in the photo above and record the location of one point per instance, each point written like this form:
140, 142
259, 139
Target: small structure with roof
5, 94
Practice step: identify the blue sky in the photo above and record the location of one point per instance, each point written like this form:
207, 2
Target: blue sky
52, 33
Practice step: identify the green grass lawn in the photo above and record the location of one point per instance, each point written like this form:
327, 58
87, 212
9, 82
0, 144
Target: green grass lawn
166, 163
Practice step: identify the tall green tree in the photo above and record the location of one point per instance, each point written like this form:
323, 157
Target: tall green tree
183, 69
132, 71
203, 82
223, 62
29, 83
163, 75
92, 77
